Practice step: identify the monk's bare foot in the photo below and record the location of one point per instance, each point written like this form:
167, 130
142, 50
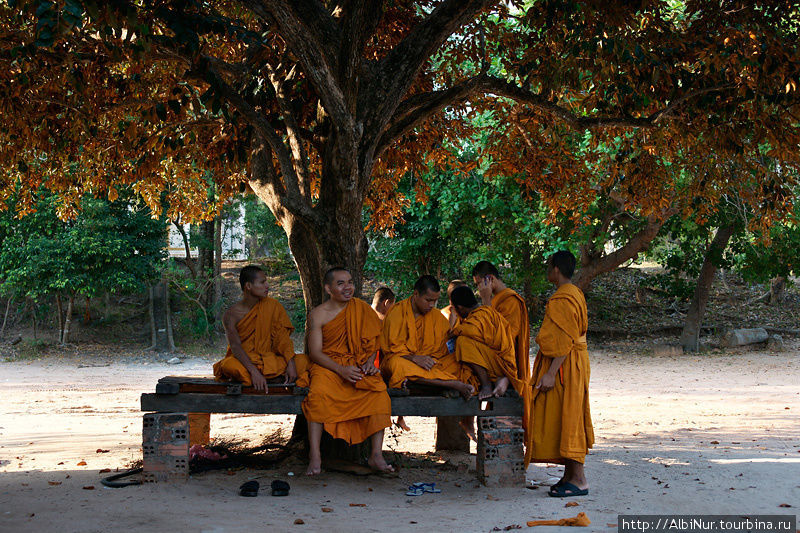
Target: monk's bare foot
314, 467
469, 429
377, 462
485, 392
465, 390
500, 387
401, 423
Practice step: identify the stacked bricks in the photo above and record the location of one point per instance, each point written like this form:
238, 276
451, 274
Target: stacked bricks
500, 460
165, 447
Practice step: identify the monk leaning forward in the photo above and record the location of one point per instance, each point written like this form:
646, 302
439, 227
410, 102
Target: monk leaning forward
346, 393
484, 344
414, 342
494, 292
258, 329
562, 427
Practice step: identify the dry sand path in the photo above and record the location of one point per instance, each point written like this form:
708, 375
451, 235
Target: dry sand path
713, 434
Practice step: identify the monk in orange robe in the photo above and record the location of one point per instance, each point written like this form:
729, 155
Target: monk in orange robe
414, 342
562, 426
258, 329
494, 292
485, 345
346, 393
449, 312
383, 300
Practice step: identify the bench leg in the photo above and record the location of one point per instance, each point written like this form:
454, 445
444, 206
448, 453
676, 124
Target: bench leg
500, 458
165, 447
199, 428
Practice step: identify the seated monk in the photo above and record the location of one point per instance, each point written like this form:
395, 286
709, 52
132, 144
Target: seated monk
509, 304
485, 345
414, 342
383, 301
346, 393
449, 312
562, 430
258, 329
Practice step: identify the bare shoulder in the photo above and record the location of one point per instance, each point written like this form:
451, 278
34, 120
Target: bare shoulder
235, 313
322, 314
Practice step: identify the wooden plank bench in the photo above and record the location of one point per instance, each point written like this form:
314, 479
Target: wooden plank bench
178, 414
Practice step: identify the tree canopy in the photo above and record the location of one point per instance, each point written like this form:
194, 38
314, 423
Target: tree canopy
313, 104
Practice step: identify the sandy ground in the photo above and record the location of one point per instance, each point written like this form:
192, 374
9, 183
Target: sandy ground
713, 434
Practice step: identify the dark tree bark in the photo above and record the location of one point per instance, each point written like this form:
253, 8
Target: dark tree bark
5, 318
67, 320
594, 261
690, 338
777, 289
160, 321
217, 304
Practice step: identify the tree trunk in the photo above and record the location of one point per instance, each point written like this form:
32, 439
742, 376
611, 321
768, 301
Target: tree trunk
188, 261
160, 323
67, 320
777, 287
449, 434
690, 338
217, 304
60, 321
5, 318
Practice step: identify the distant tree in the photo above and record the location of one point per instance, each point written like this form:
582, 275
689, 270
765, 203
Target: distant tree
109, 247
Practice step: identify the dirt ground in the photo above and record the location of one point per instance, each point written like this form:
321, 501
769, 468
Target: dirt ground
713, 433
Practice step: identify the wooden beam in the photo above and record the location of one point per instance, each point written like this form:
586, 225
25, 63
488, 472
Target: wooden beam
286, 404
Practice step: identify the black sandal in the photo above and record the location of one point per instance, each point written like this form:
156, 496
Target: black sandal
249, 489
566, 490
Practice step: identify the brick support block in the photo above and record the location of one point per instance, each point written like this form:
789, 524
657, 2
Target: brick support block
500, 458
165, 447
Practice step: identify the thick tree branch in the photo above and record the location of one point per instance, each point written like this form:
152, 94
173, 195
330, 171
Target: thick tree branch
311, 33
398, 70
630, 250
416, 109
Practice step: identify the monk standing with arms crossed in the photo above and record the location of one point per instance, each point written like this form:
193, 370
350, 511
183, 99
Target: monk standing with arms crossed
562, 426
346, 393
258, 329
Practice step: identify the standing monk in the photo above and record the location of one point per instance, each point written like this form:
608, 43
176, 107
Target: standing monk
414, 342
562, 426
485, 345
346, 393
509, 304
258, 329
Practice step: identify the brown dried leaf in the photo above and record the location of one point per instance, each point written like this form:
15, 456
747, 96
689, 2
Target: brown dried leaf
82, 463
88, 487
327, 509
54, 482
358, 505
299, 521
571, 504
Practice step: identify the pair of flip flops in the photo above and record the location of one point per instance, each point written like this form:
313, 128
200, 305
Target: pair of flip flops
418, 489
250, 488
563, 490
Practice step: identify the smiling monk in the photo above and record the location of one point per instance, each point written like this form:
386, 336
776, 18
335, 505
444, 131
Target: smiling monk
346, 393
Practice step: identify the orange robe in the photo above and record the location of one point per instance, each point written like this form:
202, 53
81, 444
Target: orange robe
404, 334
264, 332
349, 412
484, 339
511, 305
562, 425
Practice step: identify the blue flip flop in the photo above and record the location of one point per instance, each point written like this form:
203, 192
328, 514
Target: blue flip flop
415, 490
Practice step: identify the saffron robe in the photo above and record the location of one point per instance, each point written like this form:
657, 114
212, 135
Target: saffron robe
264, 332
404, 334
348, 411
511, 305
562, 425
484, 339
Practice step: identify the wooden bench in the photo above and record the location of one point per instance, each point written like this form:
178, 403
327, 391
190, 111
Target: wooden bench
178, 415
